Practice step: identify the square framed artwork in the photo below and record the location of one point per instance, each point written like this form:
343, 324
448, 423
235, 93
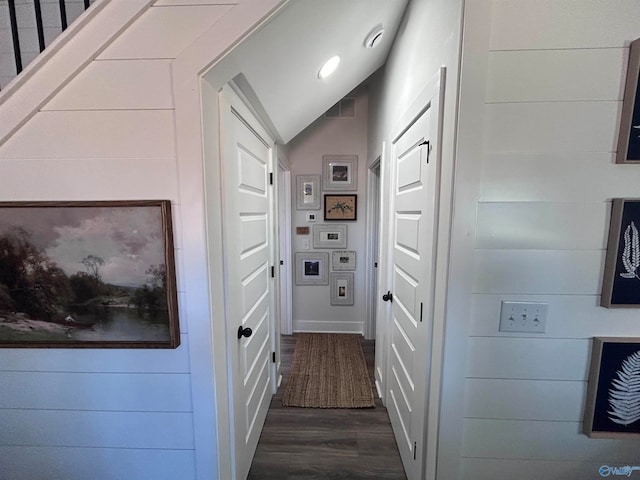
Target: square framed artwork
330, 236
612, 408
341, 287
342, 260
308, 192
340, 172
88, 275
621, 281
312, 268
628, 150
340, 207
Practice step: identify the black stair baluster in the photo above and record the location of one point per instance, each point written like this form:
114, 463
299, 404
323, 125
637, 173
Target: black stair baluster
63, 14
14, 35
39, 25
87, 4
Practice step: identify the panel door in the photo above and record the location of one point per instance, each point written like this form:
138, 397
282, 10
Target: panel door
414, 231
248, 240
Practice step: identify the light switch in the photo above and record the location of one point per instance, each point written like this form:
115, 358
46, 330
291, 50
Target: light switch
523, 317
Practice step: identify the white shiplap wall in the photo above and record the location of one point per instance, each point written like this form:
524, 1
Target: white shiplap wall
555, 76
109, 133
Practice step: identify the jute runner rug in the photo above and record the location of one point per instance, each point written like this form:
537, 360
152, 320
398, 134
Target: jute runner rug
329, 371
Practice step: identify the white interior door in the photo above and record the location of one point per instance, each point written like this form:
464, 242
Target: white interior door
247, 159
413, 220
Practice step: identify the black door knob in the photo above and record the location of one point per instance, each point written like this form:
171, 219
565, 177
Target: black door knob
388, 297
244, 332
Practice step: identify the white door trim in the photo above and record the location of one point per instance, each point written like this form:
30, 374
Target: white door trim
371, 248
284, 220
383, 313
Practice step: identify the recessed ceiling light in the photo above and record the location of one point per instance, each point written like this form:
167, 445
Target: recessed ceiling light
329, 67
374, 37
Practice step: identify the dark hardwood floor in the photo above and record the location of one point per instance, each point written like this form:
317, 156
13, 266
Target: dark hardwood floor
316, 443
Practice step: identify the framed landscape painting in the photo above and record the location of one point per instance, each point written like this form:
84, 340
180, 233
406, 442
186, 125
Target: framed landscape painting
88, 275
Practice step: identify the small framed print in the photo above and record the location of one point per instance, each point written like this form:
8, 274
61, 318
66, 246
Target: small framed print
340, 207
340, 172
612, 408
343, 260
312, 268
341, 286
308, 192
330, 236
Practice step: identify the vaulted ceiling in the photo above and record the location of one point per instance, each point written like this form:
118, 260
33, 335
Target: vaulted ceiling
279, 63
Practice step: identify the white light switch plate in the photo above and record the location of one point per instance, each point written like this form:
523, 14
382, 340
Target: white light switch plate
523, 317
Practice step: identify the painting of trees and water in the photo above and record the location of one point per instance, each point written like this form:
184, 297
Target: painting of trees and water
90, 274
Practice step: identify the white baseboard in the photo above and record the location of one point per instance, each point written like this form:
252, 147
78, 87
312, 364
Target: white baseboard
327, 326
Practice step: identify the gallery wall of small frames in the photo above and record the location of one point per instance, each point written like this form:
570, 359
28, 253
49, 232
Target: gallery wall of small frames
314, 192
612, 407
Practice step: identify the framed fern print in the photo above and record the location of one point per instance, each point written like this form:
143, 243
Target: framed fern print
621, 282
628, 150
612, 409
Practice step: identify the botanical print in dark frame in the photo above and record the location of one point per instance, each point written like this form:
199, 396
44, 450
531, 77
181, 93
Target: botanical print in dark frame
628, 150
621, 282
88, 275
612, 408
340, 207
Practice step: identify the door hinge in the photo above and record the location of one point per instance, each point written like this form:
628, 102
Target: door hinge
273, 272
415, 449
281, 262
375, 264
270, 178
421, 308
273, 357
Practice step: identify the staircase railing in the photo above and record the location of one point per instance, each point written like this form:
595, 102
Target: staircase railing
33, 24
